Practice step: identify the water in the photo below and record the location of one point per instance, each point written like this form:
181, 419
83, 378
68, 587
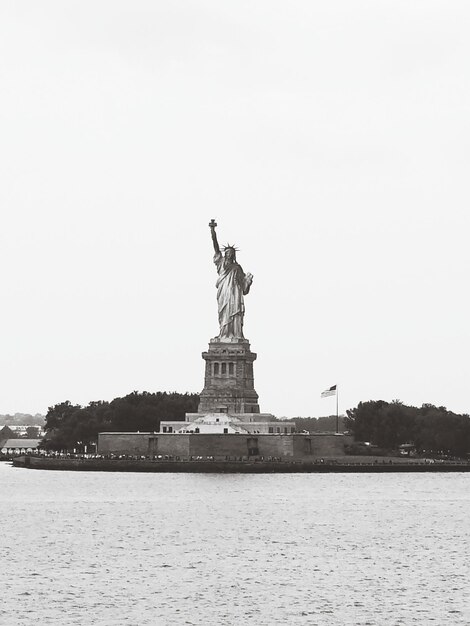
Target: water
111, 549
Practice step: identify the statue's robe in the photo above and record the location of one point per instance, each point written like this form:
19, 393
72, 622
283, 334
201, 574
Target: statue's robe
232, 285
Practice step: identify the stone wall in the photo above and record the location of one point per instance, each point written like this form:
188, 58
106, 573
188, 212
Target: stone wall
296, 446
229, 378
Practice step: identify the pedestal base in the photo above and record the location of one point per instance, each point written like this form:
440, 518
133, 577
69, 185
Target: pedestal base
229, 380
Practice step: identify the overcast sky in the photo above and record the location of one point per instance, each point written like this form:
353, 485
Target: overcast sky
331, 142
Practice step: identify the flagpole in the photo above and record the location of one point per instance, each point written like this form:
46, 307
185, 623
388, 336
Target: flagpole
337, 414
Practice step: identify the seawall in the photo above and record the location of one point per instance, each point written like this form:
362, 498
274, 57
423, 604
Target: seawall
235, 467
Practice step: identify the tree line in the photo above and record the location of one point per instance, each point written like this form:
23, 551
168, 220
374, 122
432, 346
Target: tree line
22, 419
384, 424
325, 424
430, 428
74, 426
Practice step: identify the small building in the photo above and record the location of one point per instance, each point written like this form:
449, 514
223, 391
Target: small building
407, 449
226, 423
19, 446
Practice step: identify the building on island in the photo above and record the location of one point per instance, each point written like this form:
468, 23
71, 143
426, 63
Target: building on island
19, 446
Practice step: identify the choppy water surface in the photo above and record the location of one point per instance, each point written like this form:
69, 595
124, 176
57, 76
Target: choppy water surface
104, 548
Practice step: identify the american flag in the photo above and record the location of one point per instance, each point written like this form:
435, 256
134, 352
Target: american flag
329, 392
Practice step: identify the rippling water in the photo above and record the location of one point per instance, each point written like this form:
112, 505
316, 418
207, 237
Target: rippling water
104, 548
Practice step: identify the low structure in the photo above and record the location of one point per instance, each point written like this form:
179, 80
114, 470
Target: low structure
227, 423
19, 446
225, 446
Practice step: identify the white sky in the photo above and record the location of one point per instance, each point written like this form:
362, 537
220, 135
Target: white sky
331, 142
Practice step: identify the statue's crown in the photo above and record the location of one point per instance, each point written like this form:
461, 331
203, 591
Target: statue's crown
229, 247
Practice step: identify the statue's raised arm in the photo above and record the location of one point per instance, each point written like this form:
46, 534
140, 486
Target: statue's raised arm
213, 226
232, 284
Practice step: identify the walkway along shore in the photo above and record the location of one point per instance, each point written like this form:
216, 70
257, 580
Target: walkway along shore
342, 465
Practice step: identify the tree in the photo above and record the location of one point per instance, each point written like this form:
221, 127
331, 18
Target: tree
364, 420
67, 424
32, 432
325, 424
432, 429
7, 433
58, 414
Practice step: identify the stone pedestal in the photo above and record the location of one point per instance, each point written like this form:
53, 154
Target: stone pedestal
229, 380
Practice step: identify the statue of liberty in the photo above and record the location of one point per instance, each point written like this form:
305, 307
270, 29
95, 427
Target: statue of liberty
232, 285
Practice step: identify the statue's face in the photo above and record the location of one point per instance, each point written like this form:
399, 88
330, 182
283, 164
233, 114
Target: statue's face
230, 254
